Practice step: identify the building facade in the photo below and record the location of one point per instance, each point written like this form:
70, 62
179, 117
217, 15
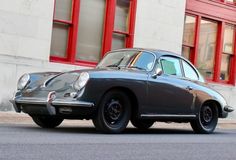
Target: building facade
62, 35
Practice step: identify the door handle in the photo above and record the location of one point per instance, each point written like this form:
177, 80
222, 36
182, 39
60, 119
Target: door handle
189, 88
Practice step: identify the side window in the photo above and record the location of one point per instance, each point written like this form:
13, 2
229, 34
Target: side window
171, 66
189, 72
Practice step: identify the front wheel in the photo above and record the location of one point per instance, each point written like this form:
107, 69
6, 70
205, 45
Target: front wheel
206, 120
47, 121
113, 112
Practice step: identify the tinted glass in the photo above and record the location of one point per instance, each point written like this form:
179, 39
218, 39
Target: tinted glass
189, 72
207, 47
186, 52
189, 30
120, 58
90, 29
228, 39
59, 40
122, 15
131, 59
63, 9
118, 41
171, 66
144, 60
232, 1
225, 67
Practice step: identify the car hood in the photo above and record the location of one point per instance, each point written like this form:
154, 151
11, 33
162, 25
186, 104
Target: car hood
111, 72
62, 81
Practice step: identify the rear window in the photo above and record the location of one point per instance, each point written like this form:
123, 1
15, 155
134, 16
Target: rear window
189, 72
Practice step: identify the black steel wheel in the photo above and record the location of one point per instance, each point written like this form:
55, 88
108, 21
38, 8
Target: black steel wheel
206, 120
47, 121
113, 112
141, 123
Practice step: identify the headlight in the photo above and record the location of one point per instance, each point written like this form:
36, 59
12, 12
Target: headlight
81, 81
23, 81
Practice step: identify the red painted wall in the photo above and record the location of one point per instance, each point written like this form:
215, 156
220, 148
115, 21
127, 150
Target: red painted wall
213, 9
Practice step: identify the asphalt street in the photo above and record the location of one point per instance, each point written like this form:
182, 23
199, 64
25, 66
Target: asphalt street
29, 142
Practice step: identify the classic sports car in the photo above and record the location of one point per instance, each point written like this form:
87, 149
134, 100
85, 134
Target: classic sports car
140, 85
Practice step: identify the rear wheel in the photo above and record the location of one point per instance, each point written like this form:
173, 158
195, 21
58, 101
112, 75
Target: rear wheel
207, 119
113, 112
142, 124
47, 121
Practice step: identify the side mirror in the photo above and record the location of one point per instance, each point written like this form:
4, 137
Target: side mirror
158, 72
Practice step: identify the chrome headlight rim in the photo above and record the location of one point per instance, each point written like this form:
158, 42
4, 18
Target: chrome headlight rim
23, 81
81, 81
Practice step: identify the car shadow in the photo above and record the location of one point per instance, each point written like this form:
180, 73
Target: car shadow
89, 129
130, 131
127, 131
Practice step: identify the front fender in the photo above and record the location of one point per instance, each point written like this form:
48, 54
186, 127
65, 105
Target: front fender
208, 94
96, 88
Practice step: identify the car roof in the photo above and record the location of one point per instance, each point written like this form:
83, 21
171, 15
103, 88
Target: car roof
157, 52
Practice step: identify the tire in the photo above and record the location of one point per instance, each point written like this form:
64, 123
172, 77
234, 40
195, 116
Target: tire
207, 119
142, 124
113, 112
47, 121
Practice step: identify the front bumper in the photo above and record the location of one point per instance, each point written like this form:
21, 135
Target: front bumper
50, 105
228, 109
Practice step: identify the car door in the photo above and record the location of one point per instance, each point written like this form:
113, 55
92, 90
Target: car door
169, 93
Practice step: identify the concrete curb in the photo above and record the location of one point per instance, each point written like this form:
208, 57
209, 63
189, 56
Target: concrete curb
22, 118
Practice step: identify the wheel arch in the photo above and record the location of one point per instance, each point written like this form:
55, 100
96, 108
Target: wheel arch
132, 96
216, 104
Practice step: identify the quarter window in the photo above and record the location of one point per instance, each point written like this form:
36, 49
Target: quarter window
171, 66
189, 72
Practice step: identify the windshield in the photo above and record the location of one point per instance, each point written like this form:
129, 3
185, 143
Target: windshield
130, 59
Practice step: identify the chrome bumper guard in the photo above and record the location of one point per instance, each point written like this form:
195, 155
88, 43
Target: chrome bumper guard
228, 109
50, 102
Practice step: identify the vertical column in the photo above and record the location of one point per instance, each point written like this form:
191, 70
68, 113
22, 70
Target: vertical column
196, 41
108, 26
73, 32
219, 47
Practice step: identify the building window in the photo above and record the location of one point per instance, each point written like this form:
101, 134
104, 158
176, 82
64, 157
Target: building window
189, 36
121, 26
230, 1
207, 48
61, 26
91, 20
84, 30
228, 52
225, 1
209, 45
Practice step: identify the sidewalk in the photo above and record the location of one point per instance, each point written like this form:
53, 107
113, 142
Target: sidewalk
21, 118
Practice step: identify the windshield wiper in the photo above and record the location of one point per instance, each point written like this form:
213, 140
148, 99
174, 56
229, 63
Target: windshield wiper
136, 67
116, 64
112, 65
